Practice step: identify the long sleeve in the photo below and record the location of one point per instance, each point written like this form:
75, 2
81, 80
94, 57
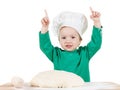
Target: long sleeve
45, 45
95, 44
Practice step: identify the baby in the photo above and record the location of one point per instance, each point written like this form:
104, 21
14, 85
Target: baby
69, 27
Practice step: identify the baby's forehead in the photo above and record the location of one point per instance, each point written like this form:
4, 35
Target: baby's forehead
68, 30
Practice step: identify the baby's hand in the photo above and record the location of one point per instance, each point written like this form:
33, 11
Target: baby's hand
95, 16
45, 23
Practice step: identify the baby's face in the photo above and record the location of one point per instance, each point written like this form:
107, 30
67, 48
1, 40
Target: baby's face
69, 38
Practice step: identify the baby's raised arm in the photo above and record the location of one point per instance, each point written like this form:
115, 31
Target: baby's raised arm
45, 23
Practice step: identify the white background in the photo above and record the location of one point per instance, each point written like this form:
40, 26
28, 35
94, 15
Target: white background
19, 43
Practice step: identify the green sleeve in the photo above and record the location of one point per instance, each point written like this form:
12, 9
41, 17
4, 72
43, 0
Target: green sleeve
95, 44
45, 45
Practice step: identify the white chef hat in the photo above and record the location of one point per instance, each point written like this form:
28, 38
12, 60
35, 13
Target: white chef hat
78, 21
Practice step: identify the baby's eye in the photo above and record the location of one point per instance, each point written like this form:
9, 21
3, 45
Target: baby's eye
63, 37
73, 37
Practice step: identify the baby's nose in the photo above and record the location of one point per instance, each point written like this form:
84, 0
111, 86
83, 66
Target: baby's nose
68, 41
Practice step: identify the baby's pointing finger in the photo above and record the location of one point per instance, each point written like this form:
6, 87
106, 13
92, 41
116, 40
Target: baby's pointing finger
91, 9
46, 13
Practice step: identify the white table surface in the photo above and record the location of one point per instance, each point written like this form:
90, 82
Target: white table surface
86, 86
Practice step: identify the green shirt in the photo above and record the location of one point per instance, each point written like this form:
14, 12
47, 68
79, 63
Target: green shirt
76, 61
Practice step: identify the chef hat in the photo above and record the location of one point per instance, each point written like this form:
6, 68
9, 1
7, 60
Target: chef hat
78, 21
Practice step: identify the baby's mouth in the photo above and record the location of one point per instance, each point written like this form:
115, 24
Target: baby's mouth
68, 46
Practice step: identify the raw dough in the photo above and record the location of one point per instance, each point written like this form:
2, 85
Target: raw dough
17, 82
56, 79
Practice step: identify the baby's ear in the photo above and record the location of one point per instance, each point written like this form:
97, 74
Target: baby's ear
80, 38
80, 41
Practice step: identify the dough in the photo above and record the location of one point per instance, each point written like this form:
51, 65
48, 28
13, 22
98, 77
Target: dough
17, 82
56, 79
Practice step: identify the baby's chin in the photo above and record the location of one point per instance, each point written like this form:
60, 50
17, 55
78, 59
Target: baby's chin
70, 49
